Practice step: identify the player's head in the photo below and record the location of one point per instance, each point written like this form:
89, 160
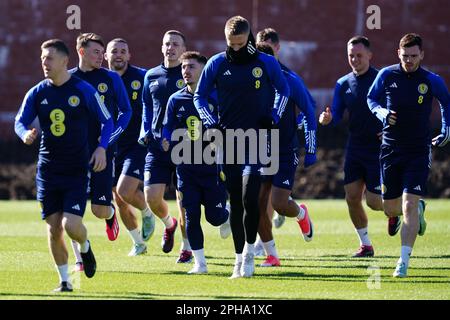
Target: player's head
265, 47
54, 57
117, 54
359, 54
270, 37
237, 30
410, 52
90, 48
173, 46
192, 64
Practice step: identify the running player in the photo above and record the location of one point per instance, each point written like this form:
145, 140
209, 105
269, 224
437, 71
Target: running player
245, 80
64, 105
405, 157
362, 166
130, 159
159, 84
198, 183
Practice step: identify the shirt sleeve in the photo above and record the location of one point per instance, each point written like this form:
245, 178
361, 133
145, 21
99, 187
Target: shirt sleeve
204, 88
440, 92
26, 115
338, 105
147, 110
375, 97
123, 104
99, 110
280, 85
169, 120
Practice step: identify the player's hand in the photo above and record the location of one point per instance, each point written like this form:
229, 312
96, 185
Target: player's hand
165, 144
442, 139
30, 136
310, 159
98, 159
326, 117
391, 118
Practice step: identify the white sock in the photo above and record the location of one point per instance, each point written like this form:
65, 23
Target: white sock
146, 212
249, 248
76, 252
136, 236
185, 244
258, 242
238, 259
199, 256
63, 272
364, 236
270, 248
111, 214
405, 254
168, 221
301, 213
84, 247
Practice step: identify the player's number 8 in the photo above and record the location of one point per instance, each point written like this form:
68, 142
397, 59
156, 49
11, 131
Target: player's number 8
420, 101
135, 95
57, 127
257, 84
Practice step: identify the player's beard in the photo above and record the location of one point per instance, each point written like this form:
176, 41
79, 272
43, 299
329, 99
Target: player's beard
245, 54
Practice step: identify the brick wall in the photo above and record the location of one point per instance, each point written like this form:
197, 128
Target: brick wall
314, 34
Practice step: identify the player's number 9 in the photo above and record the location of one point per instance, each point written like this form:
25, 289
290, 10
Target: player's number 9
57, 127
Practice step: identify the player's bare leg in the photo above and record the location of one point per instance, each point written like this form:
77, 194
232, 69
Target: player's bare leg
154, 196
354, 194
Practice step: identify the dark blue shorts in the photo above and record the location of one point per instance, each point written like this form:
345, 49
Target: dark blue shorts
285, 176
130, 161
61, 194
363, 164
159, 168
203, 187
404, 172
101, 183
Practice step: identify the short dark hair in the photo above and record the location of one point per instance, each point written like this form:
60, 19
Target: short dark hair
237, 25
359, 39
410, 40
121, 40
84, 38
177, 33
268, 34
264, 47
193, 55
58, 44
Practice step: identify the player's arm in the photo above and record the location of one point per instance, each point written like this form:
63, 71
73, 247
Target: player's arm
169, 124
282, 91
334, 114
147, 111
123, 104
204, 88
441, 93
98, 109
375, 98
26, 115
306, 118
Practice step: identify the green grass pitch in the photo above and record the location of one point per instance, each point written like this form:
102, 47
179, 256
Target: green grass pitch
321, 269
